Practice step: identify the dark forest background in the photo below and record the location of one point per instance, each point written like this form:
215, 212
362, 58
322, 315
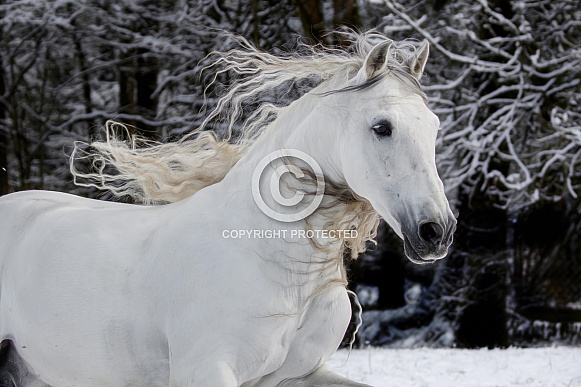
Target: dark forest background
504, 77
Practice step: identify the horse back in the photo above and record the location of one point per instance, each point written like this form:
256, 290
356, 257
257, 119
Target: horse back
71, 277
44, 212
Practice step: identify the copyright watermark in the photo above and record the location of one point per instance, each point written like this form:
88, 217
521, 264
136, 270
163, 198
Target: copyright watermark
283, 233
289, 209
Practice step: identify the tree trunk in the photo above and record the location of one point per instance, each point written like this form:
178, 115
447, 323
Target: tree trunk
4, 183
345, 14
312, 20
127, 86
146, 83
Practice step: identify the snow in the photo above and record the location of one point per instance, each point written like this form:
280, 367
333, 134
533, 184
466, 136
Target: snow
424, 367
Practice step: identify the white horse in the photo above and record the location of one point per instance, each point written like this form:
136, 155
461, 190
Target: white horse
208, 289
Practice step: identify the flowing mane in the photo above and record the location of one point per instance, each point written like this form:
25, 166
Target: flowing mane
157, 173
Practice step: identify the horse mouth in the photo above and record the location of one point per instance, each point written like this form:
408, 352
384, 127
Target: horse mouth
418, 255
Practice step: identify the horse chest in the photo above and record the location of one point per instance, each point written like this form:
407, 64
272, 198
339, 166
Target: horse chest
314, 337
324, 323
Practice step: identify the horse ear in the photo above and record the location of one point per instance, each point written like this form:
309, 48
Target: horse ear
418, 61
376, 59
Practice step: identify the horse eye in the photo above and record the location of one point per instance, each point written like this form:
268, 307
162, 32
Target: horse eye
383, 128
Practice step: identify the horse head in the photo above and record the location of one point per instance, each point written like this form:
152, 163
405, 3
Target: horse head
385, 138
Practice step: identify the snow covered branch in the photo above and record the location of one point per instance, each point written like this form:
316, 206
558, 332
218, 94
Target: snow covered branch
505, 81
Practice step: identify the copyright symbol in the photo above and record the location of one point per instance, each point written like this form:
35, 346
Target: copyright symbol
291, 208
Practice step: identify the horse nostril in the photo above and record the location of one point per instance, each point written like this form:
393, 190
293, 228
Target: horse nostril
431, 232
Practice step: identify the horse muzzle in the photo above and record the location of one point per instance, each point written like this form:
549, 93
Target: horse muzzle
429, 241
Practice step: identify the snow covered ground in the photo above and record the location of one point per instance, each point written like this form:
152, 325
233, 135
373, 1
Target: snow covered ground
532, 367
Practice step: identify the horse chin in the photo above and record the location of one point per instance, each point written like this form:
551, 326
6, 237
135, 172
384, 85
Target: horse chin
412, 253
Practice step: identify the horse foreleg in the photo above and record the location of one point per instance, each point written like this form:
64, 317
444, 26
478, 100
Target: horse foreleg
322, 376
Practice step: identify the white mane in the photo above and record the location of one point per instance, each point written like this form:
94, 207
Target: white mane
157, 173
154, 173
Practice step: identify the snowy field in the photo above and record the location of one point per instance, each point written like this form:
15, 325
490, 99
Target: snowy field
534, 367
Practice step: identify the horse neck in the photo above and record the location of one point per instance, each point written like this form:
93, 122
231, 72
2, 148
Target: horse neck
306, 125
293, 129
